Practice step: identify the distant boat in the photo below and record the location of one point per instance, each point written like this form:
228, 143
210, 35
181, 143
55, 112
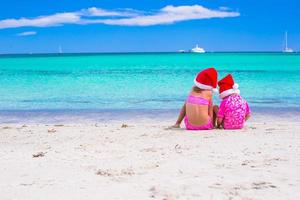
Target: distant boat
197, 49
181, 51
286, 49
60, 49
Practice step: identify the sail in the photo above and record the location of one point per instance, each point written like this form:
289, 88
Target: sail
286, 49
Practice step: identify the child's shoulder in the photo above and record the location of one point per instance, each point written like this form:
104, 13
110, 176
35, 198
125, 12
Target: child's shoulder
242, 98
237, 99
232, 100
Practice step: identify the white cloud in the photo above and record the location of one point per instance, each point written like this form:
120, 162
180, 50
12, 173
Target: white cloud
98, 12
28, 33
172, 14
123, 17
41, 21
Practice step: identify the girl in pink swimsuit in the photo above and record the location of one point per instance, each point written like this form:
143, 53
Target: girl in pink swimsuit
197, 110
234, 110
200, 101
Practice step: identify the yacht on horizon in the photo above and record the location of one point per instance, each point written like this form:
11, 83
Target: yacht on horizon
286, 49
197, 49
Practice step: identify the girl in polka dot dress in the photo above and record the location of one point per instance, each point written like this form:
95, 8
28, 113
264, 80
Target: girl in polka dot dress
233, 110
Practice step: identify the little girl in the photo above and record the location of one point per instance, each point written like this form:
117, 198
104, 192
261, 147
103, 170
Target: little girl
234, 110
197, 111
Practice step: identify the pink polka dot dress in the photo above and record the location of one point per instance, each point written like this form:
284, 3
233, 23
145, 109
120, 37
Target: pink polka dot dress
233, 110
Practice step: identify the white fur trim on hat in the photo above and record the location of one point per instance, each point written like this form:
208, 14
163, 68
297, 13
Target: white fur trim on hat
229, 92
202, 86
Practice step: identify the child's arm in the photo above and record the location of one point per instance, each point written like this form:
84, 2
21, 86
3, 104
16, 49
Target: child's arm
221, 115
216, 110
219, 122
211, 109
180, 117
247, 112
247, 117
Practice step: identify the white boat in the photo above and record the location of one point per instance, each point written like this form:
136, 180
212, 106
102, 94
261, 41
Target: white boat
181, 51
60, 49
286, 49
197, 49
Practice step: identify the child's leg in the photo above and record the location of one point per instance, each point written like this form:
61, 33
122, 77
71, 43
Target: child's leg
180, 117
216, 110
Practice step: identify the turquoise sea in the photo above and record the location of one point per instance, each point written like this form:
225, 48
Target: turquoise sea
139, 83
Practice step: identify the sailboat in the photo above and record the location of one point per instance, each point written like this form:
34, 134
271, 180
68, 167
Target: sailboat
286, 49
59, 49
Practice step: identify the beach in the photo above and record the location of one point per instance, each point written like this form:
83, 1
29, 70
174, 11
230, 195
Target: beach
95, 126
142, 159
93, 93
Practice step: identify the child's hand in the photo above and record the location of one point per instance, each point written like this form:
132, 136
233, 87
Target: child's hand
219, 126
175, 126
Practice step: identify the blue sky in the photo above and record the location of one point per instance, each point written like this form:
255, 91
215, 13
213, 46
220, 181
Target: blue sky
36, 26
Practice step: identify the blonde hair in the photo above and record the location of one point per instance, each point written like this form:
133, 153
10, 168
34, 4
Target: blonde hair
196, 89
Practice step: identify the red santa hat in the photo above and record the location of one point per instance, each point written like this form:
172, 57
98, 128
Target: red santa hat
227, 86
207, 79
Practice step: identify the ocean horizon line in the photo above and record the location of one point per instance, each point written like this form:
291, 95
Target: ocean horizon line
144, 52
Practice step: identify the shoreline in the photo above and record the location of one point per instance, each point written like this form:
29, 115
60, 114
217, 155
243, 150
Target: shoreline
110, 115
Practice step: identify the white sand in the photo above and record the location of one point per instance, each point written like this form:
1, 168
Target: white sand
144, 161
